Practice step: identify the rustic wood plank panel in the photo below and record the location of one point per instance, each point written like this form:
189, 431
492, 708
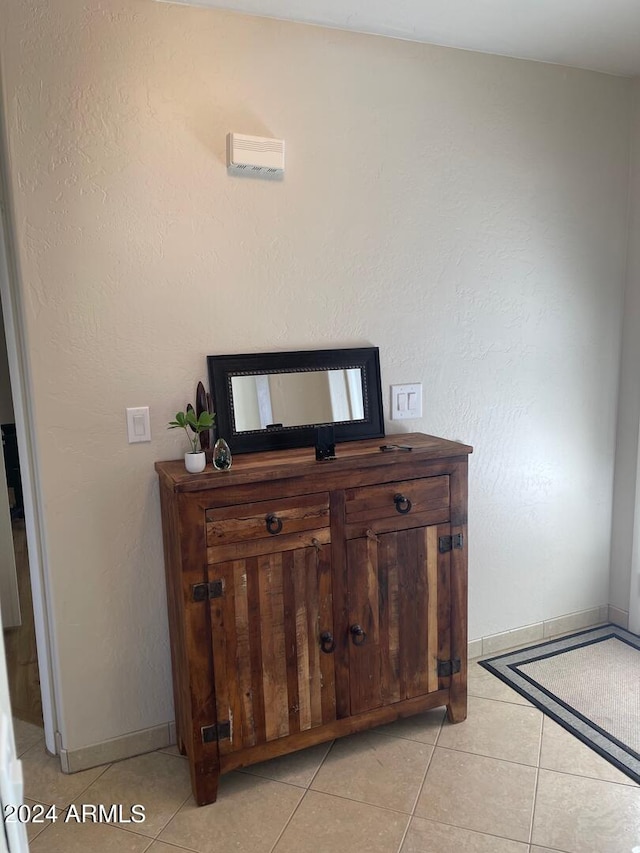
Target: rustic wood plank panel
340, 603
444, 605
198, 689
413, 611
313, 635
255, 648
302, 639
291, 641
325, 620
243, 652
389, 618
431, 542
364, 660
274, 668
272, 545
457, 707
225, 657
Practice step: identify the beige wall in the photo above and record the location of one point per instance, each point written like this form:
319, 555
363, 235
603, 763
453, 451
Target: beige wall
626, 505
463, 212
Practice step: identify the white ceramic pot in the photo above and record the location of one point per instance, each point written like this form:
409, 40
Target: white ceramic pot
195, 463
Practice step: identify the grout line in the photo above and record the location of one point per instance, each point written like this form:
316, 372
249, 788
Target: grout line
307, 789
420, 787
180, 807
288, 821
491, 757
535, 784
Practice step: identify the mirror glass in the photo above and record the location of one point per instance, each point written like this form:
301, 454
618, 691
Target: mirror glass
299, 398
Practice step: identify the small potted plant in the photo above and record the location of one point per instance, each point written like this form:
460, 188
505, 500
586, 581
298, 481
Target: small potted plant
194, 460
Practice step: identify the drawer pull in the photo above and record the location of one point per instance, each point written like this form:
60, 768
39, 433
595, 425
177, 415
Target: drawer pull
274, 524
327, 643
358, 636
403, 505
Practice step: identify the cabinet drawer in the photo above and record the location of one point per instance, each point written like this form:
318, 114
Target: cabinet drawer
267, 519
398, 505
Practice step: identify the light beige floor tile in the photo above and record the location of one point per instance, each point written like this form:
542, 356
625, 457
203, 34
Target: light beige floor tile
46, 783
26, 735
247, 817
581, 815
486, 686
496, 729
172, 750
297, 768
82, 837
563, 752
534, 849
39, 821
375, 769
424, 728
161, 847
479, 793
427, 836
159, 782
326, 824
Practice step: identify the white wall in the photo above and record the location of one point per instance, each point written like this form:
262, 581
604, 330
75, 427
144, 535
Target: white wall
626, 491
465, 213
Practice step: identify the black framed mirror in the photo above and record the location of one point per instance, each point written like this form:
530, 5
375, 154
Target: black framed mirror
277, 400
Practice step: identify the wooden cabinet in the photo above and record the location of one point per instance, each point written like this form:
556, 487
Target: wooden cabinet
308, 600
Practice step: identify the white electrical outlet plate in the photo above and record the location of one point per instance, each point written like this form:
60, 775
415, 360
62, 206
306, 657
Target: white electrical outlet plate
138, 424
406, 401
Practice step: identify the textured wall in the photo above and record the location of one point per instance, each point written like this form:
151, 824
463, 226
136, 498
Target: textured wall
627, 472
465, 213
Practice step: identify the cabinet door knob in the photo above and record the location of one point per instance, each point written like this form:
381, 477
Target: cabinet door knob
274, 524
358, 636
403, 505
327, 643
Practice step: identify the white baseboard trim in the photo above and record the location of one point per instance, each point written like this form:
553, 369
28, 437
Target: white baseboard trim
619, 617
495, 643
134, 743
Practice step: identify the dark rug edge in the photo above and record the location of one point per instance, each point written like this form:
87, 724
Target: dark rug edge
549, 712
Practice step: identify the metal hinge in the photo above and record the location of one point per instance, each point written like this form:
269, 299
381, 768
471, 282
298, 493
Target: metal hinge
448, 543
448, 667
206, 591
219, 731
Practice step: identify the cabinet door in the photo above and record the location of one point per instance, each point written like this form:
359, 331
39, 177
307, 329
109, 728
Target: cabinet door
271, 676
399, 615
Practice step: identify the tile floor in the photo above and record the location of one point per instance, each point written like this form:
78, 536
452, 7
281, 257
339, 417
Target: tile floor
505, 781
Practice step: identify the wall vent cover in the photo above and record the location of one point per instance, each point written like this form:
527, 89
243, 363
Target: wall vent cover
255, 154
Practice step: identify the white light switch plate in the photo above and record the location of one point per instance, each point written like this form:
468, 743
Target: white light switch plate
406, 401
138, 424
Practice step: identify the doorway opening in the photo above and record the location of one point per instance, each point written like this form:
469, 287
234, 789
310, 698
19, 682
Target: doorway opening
16, 601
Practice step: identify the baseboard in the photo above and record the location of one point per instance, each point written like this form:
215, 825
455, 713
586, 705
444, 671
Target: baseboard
495, 643
618, 617
134, 743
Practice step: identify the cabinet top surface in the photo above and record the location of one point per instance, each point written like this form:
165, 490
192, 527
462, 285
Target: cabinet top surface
300, 462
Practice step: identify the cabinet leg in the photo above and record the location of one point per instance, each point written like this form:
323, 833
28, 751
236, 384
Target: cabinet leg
205, 785
457, 707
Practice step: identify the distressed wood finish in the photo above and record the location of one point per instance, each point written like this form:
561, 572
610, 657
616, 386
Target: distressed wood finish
252, 655
393, 594
239, 523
